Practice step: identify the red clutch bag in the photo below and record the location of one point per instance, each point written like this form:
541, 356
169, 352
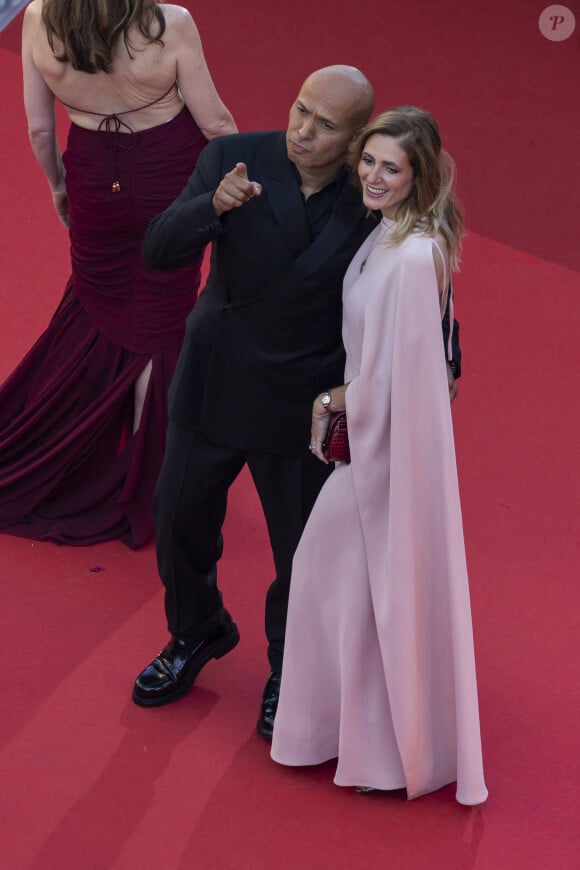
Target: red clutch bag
336, 447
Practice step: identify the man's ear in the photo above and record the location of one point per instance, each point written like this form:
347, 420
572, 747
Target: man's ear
353, 141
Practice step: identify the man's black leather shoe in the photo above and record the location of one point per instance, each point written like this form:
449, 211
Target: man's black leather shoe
265, 726
174, 670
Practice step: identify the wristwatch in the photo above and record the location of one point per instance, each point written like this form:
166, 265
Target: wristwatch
326, 400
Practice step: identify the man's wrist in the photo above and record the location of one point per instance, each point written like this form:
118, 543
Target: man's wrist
216, 207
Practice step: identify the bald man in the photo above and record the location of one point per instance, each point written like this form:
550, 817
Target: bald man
261, 343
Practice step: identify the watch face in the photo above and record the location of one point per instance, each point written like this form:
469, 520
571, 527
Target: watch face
326, 400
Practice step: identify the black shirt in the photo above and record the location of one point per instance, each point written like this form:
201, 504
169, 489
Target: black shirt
320, 205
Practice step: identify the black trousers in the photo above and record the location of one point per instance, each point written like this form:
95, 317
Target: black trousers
189, 508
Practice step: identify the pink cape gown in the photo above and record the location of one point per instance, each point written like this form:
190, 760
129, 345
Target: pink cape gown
71, 469
379, 665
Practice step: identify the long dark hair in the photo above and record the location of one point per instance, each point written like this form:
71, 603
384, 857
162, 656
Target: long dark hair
84, 32
431, 205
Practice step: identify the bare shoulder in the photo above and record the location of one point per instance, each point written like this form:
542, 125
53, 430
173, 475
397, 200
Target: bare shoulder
33, 9
172, 10
32, 26
181, 34
33, 14
178, 21
440, 252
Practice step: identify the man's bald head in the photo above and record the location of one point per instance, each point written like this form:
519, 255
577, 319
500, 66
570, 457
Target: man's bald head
333, 104
350, 85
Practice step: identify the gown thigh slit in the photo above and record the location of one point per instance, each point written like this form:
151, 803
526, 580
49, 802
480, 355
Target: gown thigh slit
72, 469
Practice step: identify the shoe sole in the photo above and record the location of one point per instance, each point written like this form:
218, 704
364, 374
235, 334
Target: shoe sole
215, 651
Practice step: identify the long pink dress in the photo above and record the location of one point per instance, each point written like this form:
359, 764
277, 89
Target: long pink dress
379, 665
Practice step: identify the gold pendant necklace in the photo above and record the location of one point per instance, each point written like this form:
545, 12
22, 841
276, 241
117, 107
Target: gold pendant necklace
364, 262
388, 227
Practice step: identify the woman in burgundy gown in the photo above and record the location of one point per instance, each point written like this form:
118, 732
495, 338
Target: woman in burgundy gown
83, 417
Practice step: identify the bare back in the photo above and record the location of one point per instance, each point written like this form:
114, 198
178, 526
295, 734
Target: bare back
135, 80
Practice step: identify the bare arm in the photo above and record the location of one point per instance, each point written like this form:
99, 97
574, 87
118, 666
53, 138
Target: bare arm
442, 271
193, 76
40, 114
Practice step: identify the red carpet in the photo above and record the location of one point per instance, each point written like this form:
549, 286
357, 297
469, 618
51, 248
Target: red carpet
91, 781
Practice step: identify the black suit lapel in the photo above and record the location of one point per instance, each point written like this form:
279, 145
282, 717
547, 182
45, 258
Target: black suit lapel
279, 182
280, 185
288, 207
348, 211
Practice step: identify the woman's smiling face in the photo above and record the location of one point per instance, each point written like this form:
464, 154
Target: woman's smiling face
385, 174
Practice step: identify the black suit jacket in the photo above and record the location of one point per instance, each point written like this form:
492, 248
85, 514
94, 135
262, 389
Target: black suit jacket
265, 336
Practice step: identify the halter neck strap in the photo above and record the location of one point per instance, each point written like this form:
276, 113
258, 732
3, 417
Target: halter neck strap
112, 121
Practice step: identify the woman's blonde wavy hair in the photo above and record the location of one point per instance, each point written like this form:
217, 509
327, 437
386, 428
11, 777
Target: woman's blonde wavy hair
431, 206
84, 32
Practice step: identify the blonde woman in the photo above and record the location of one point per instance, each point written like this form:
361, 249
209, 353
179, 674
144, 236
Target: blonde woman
378, 665
83, 418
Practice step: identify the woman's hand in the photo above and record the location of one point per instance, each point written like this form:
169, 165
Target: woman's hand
321, 411
318, 429
60, 200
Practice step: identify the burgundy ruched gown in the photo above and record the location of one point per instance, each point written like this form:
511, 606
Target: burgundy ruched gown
71, 469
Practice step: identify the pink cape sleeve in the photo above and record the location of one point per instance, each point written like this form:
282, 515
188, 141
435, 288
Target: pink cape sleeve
405, 480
